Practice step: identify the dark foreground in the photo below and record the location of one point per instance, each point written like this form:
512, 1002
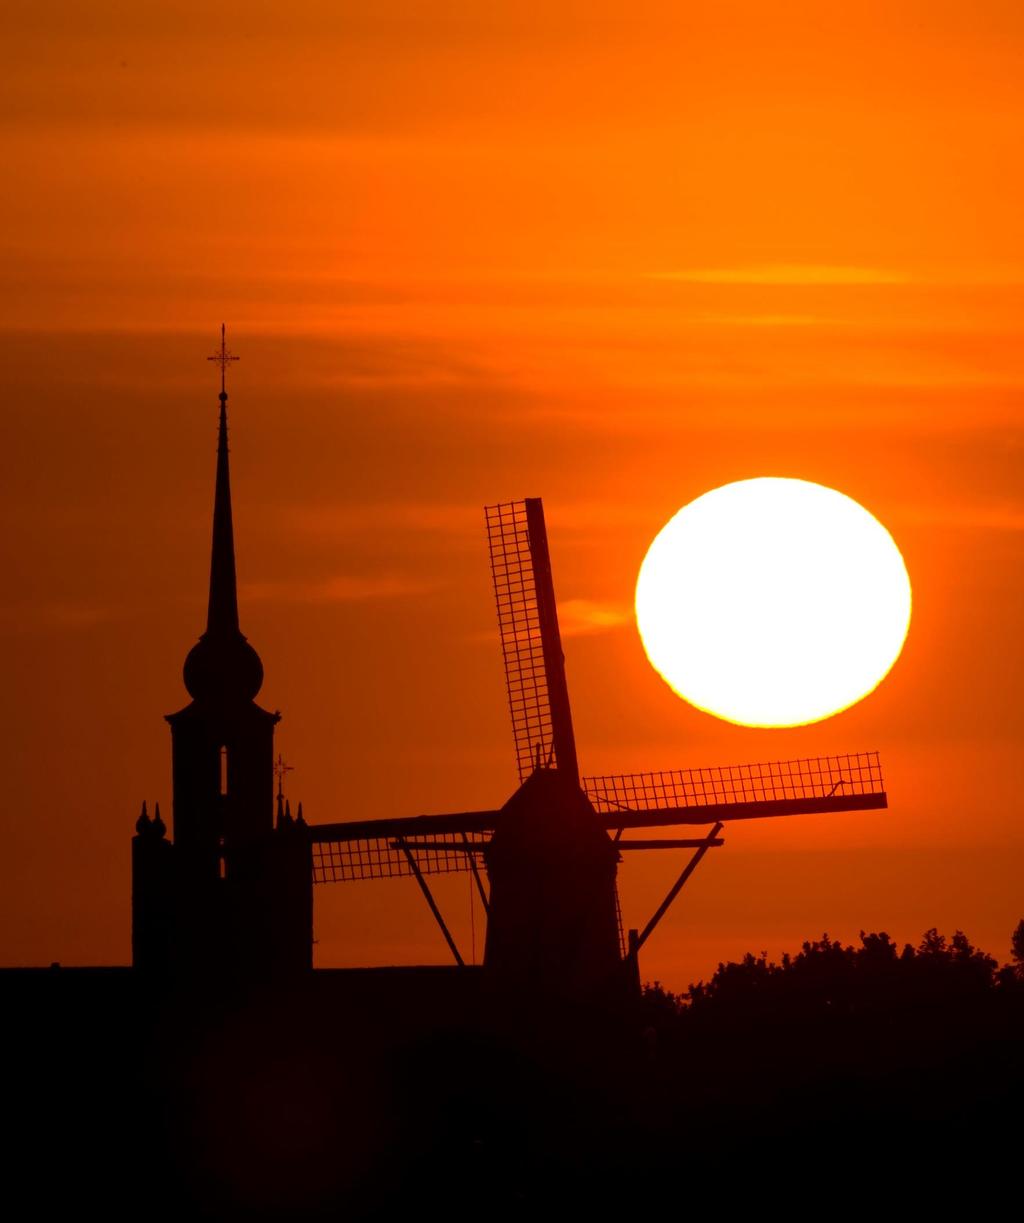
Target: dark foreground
406, 1092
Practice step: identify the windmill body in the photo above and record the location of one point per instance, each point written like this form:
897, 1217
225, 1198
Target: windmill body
552, 925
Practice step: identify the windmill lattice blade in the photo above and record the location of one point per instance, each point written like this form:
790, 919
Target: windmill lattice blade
383, 857
371, 849
530, 643
515, 594
782, 787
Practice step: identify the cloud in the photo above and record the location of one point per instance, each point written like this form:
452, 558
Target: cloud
787, 274
1007, 517
582, 617
358, 518
578, 618
59, 615
586, 520
343, 588
595, 517
762, 320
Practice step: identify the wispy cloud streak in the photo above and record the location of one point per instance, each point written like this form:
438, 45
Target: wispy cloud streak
787, 274
344, 588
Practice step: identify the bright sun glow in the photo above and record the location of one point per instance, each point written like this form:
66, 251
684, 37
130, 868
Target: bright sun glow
773, 602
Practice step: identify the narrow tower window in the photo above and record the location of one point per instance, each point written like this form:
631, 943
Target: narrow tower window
223, 770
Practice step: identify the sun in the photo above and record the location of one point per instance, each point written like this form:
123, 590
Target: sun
773, 602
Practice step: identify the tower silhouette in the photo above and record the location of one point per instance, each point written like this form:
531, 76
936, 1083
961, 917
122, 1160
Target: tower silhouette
232, 893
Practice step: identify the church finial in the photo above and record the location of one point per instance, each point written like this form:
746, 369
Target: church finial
223, 666
222, 613
223, 359
284, 814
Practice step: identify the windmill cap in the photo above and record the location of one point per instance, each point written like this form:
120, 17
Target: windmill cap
550, 818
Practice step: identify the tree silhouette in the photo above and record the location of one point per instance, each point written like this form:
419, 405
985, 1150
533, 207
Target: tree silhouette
1017, 948
828, 978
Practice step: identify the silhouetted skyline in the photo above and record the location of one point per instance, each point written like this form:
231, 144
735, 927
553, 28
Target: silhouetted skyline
615, 263
228, 893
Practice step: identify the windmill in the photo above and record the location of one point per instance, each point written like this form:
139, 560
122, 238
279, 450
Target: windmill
551, 853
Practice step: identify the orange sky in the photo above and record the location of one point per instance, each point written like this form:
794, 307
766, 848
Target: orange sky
611, 255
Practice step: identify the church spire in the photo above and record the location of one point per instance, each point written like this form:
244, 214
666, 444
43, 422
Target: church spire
222, 613
222, 666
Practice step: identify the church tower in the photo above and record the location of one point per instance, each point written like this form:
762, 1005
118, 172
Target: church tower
233, 893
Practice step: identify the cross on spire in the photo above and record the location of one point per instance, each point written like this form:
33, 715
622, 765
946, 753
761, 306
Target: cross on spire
223, 358
280, 768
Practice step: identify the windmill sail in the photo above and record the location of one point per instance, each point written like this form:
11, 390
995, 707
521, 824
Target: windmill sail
531, 645
372, 849
376, 849
850, 782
